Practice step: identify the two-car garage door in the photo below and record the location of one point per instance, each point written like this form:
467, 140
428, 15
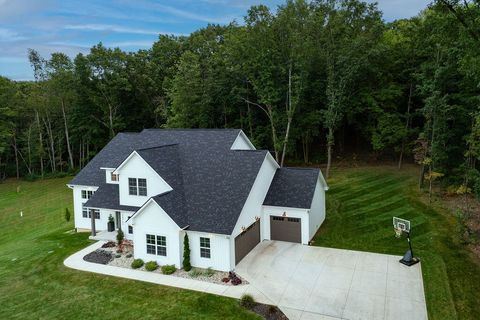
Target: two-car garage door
286, 229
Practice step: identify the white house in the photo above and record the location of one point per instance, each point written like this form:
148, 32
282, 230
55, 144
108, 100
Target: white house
211, 184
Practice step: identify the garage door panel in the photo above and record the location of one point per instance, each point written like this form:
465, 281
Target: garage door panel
246, 241
286, 229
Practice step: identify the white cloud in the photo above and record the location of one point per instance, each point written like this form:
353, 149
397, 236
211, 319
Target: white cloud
109, 27
7, 35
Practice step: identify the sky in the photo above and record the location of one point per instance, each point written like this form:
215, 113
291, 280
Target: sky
74, 26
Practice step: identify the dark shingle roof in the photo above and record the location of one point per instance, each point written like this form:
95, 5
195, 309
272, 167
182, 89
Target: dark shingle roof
106, 197
292, 187
211, 182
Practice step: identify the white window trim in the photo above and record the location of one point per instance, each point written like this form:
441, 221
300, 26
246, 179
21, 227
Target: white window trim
209, 248
156, 245
137, 187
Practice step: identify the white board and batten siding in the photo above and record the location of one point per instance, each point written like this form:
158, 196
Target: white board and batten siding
80, 221
242, 143
135, 167
317, 210
152, 219
253, 206
219, 251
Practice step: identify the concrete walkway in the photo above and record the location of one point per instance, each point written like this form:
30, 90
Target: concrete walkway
76, 261
308, 282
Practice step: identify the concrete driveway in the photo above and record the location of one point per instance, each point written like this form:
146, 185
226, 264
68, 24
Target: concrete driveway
309, 282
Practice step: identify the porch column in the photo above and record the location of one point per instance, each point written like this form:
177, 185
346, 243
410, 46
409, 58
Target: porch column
92, 220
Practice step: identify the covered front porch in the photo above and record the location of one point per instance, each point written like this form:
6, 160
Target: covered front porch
105, 236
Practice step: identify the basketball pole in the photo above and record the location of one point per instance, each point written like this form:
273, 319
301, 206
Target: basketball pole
410, 244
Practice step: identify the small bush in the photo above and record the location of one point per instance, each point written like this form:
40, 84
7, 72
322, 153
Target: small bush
151, 266
119, 251
168, 269
247, 301
209, 272
236, 281
137, 263
226, 280
67, 215
120, 236
129, 255
195, 273
272, 309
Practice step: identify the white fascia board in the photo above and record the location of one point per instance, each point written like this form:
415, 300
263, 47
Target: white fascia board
106, 168
146, 204
322, 179
288, 208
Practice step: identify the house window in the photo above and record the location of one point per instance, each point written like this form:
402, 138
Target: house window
132, 186
113, 177
205, 247
86, 212
161, 246
151, 244
87, 194
142, 187
130, 229
156, 245
137, 186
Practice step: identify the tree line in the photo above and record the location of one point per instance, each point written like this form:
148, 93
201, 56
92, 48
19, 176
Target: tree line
310, 81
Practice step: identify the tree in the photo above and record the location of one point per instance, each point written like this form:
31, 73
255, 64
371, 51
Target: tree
186, 254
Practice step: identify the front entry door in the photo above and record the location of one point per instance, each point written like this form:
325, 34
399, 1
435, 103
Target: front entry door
118, 220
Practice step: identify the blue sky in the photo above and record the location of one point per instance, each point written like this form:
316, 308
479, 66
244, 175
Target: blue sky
74, 26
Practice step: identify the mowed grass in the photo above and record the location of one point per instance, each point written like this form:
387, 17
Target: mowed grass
361, 204
34, 283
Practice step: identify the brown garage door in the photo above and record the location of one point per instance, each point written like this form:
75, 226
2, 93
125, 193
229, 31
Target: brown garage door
246, 241
286, 229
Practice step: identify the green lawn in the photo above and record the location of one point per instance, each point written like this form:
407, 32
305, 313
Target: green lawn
34, 283
361, 203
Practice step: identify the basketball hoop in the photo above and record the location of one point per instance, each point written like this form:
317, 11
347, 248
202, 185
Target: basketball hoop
398, 232
401, 225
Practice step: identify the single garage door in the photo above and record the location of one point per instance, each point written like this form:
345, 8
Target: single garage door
286, 229
246, 241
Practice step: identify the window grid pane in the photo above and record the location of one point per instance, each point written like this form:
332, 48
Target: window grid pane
142, 187
132, 186
161, 251
150, 239
150, 249
204, 253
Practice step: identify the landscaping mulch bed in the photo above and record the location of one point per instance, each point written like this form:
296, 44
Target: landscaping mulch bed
269, 312
99, 256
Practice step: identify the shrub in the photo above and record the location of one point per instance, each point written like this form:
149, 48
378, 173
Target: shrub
118, 255
120, 236
110, 218
186, 254
226, 280
151, 266
272, 309
168, 269
67, 215
129, 255
137, 263
236, 281
247, 301
209, 272
195, 273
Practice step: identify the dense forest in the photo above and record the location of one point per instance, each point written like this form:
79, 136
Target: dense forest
313, 82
